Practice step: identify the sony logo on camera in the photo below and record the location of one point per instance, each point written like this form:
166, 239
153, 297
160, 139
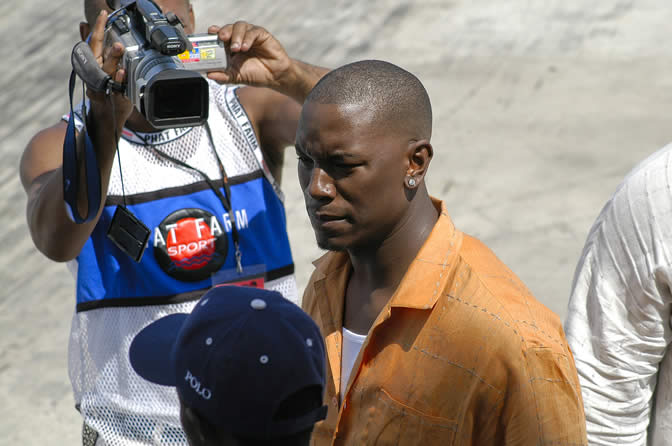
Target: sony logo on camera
82, 55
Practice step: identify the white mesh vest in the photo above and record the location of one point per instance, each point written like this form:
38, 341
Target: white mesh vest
116, 297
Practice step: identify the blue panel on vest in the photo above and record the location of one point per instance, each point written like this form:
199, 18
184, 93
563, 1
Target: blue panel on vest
187, 240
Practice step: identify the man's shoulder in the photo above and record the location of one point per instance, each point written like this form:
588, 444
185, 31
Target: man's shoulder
632, 219
520, 346
43, 152
232, 91
496, 279
645, 189
658, 162
221, 93
501, 297
650, 179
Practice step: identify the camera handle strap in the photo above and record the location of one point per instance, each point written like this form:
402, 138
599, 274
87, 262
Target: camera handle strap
71, 168
85, 66
125, 230
225, 198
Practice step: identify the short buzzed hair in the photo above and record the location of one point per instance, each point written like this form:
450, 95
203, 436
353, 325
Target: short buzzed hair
397, 95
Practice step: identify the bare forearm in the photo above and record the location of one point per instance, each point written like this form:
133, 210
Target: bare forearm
300, 79
53, 231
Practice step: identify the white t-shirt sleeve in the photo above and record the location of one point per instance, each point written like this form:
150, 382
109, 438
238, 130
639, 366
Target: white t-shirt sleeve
618, 323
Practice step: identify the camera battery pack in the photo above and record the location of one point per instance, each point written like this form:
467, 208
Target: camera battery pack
208, 54
128, 233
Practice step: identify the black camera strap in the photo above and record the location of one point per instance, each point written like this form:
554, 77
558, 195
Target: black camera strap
225, 198
84, 65
125, 230
71, 167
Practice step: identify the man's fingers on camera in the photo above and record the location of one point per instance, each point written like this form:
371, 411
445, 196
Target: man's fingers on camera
223, 32
119, 76
112, 58
98, 33
253, 35
237, 34
222, 77
234, 34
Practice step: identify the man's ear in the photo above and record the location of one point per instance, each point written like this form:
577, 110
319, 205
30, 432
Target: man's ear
420, 154
84, 30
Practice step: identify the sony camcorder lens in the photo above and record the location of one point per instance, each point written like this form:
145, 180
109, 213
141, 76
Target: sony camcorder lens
177, 98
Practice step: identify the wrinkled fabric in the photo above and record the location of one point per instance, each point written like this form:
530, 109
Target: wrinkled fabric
618, 322
462, 354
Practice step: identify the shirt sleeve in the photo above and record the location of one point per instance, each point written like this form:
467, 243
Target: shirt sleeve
544, 405
618, 322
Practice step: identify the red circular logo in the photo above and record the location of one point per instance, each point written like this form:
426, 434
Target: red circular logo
190, 244
193, 245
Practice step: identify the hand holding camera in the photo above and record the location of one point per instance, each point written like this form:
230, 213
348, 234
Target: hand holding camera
256, 58
147, 56
109, 59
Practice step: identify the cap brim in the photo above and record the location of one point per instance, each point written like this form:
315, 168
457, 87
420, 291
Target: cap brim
151, 350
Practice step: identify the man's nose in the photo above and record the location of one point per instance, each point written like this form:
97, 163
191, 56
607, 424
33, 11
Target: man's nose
321, 184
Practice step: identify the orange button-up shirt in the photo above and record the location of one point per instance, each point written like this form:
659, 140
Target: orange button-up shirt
462, 354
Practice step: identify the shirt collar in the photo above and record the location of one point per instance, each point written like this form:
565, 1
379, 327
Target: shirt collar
332, 274
430, 271
154, 138
420, 287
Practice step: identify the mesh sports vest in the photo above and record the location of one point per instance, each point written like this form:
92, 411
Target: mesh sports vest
117, 297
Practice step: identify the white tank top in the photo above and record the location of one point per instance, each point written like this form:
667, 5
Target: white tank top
122, 407
352, 344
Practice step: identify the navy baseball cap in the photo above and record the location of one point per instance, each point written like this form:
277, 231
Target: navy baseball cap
239, 360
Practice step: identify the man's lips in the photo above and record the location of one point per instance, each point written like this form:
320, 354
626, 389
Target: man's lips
325, 217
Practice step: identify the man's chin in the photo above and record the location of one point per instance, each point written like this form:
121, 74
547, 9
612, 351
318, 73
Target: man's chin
329, 244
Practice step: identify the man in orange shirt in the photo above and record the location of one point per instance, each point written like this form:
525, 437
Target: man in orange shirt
431, 339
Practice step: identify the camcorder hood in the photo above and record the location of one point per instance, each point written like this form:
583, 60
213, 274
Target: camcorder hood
176, 98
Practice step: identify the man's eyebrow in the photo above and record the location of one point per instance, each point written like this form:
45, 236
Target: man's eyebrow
342, 154
335, 154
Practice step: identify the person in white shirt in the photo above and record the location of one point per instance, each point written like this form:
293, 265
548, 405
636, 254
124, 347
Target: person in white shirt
618, 322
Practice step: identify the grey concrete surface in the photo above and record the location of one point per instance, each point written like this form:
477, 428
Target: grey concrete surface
541, 107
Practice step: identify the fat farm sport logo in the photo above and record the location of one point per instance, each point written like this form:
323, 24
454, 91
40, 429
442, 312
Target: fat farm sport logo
191, 244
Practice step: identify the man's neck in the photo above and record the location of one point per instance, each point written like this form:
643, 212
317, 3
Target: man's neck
377, 271
385, 264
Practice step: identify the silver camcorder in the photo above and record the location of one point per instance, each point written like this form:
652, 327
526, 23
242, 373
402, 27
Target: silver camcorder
163, 65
